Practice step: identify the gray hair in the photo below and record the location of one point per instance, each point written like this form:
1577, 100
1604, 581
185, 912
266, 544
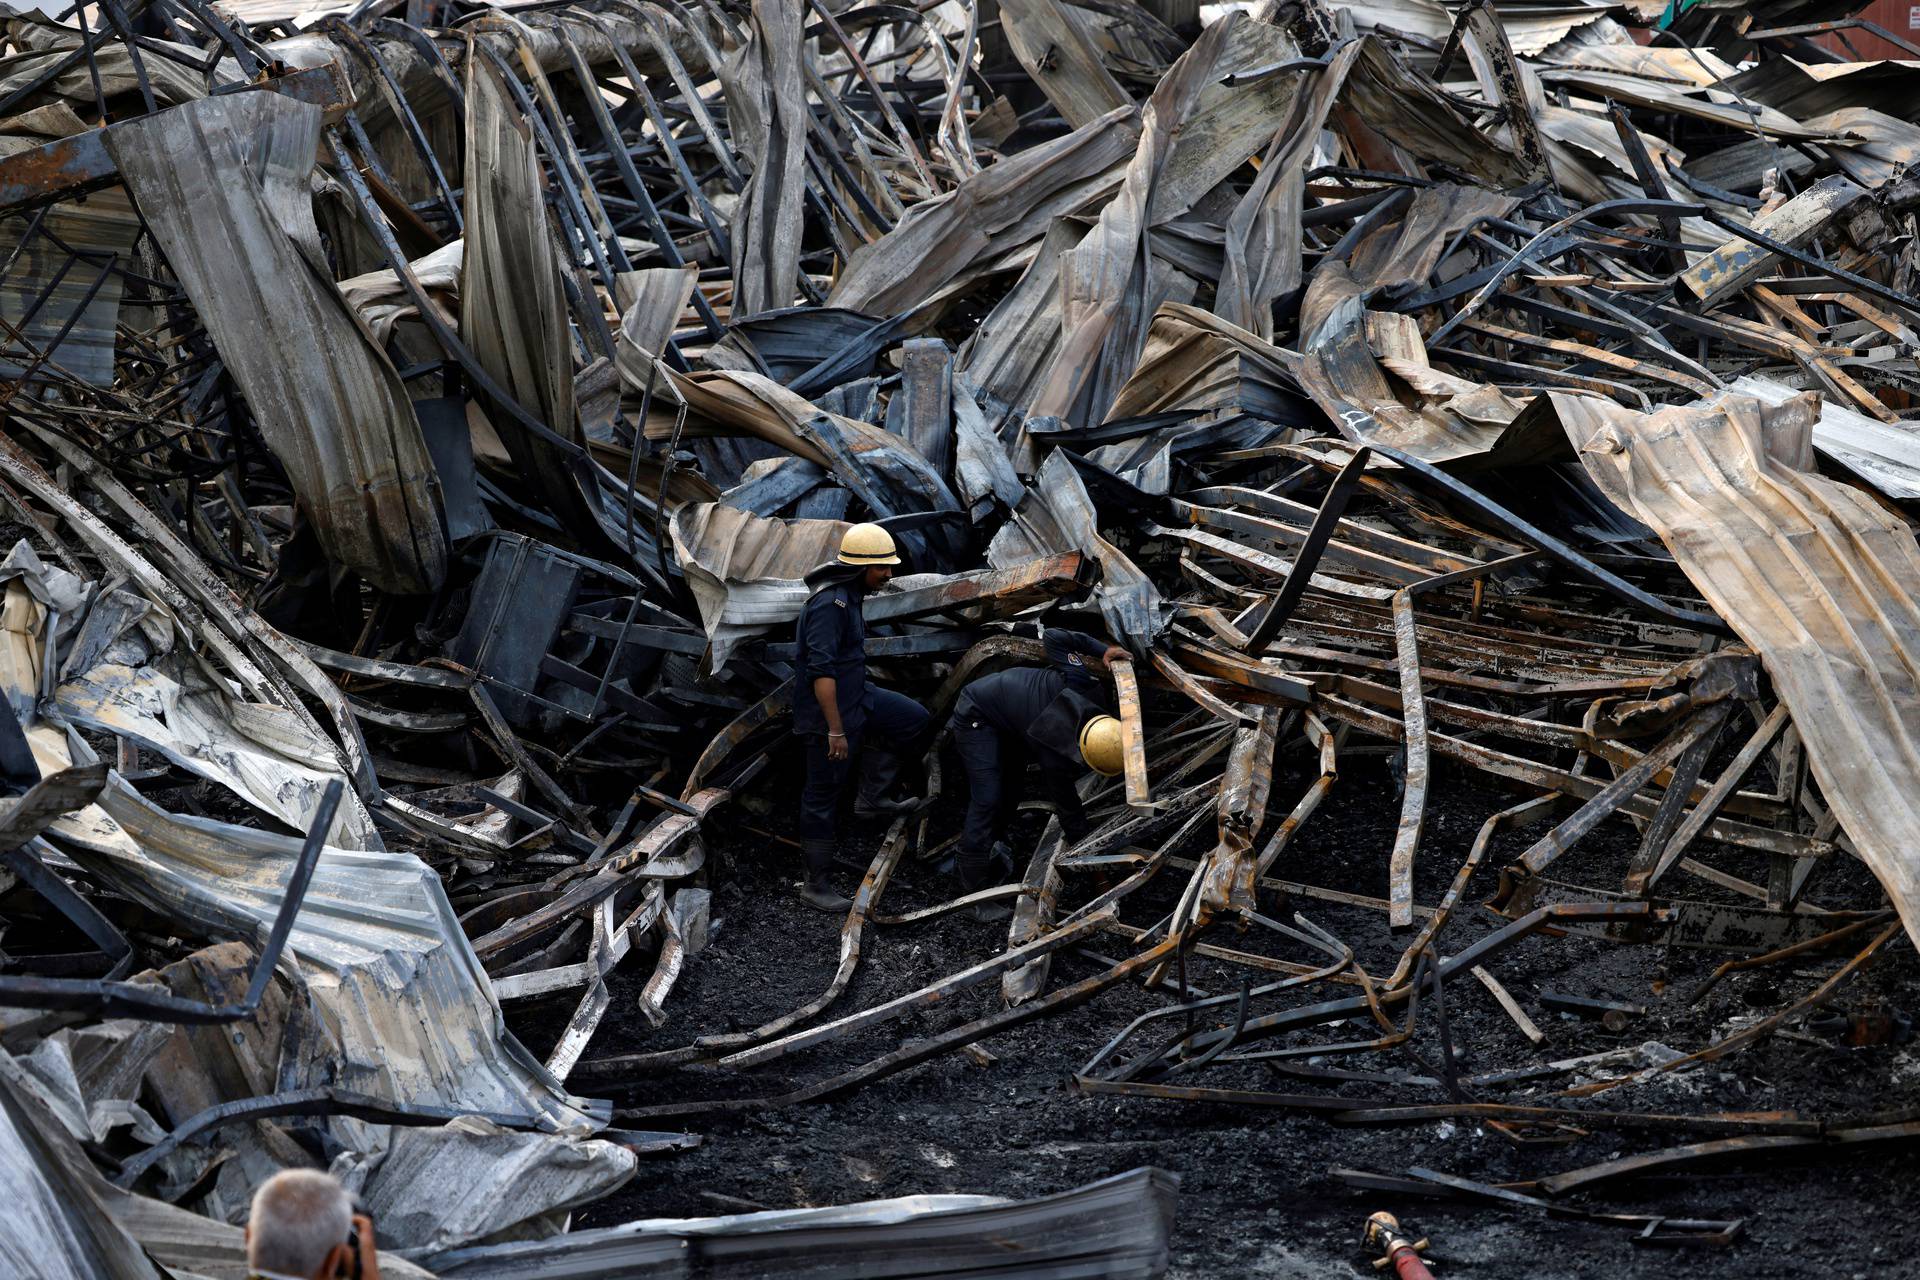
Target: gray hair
298, 1216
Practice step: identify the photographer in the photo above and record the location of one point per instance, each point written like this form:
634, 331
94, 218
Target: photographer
303, 1227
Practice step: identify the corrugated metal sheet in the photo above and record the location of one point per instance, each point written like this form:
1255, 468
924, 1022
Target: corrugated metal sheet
85, 300
1823, 583
1116, 1230
223, 186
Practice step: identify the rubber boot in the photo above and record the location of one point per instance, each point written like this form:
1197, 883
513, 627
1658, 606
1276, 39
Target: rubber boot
878, 769
818, 892
998, 870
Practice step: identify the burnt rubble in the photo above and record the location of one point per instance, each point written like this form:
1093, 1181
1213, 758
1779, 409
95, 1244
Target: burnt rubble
420, 421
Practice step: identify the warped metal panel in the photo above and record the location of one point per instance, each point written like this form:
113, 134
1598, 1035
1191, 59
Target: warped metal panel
1823, 583
1116, 1229
392, 974
513, 312
222, 184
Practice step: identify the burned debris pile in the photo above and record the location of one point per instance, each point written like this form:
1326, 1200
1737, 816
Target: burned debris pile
421, 420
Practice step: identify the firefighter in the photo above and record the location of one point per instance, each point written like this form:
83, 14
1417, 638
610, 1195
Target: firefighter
837, 713
1060, 716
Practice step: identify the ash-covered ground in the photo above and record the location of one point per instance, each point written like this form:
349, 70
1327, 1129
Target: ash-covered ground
1258, 1193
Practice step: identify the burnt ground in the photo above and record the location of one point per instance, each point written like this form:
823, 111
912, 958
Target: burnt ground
1258, 1197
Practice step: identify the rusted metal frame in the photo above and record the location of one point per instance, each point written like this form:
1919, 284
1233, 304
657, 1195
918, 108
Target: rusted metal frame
916, 1052
608, 946
1040, 887
1195, 693
1820, 943
1602, 805
1840, 1141
993, 894
232, 630
1514, 372
1679, 792
1652, 862
695, 105
1521, 815
1091, 1069
1288, 537
1524, 255
1653, 1228
860, 142
689, 185
887, 113
1505, 1000
933, 993
1135, 827
1303, 653
1484, 24
1043, 578
247, 52
1133, 745
509, 744
118, 19
1619, 324
839, 217
1220, 664
373, 668
449, 341
1548, 778
115, 999
430, 54
45, 803
630, 178
1834, 28
663, 834
1590, 354
1332, 507
1265, 562
1310, 801
650, 212
1224, 879
775, 704
82, 163
858, 193
409, 122
1328, 454
865, 900
1364, 626
667, 966
1509, 523
1813, 262
1747, 1035
1384, 544
1478, 952
571, 207
1413, 804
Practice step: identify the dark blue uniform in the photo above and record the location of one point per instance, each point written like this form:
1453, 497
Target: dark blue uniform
831, 638
1027, 713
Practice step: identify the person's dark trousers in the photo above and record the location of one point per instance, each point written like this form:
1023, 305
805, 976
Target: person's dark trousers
892, 721
996, 769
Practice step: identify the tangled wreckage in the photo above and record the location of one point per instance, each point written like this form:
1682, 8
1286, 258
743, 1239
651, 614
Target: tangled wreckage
420, 420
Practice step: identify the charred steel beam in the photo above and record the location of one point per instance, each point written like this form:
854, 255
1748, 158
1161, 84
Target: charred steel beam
82, 163
1318, 536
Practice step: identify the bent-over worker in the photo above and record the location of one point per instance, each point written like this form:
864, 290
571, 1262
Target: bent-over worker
1061, 716
837, 713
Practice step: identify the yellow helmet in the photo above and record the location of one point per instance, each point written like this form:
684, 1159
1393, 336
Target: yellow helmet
867, 544
1100, 746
